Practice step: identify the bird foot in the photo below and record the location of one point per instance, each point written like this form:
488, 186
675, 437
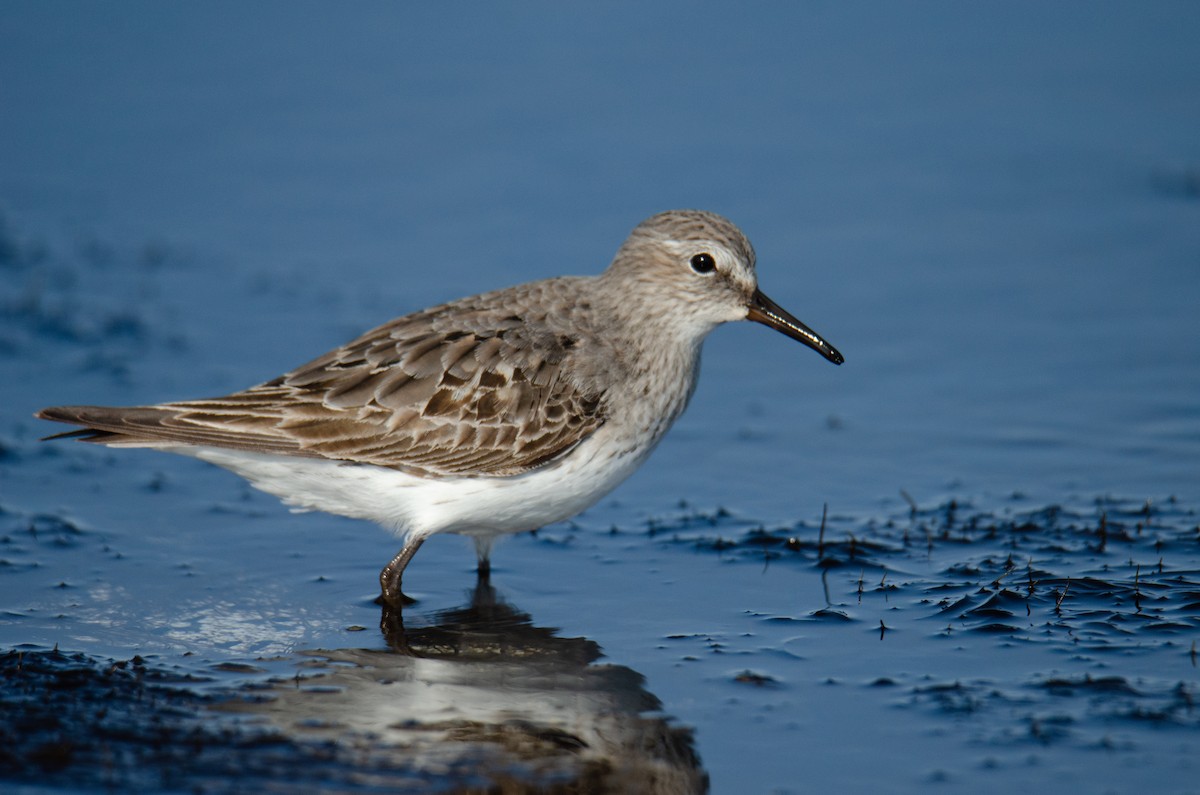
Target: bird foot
395, 601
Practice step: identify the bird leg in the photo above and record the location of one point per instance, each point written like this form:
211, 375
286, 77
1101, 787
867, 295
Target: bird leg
483, 550
389, 578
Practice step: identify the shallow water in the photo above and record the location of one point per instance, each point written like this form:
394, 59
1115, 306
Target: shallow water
1050, 647
993, 212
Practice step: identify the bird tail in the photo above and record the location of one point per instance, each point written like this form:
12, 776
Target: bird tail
106, 424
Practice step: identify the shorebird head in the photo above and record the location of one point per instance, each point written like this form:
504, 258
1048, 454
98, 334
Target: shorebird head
701, 265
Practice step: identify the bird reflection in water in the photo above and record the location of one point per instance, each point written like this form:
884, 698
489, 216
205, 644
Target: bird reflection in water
477, 698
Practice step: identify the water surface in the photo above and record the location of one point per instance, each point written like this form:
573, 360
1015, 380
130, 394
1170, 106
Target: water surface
993, 212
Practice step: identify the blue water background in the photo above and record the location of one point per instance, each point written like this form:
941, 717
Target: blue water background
993, 211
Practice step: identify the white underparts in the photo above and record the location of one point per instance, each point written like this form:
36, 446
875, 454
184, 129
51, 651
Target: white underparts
408, 504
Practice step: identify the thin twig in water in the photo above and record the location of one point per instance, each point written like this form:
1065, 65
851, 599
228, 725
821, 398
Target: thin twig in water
1137, 588
1059, 599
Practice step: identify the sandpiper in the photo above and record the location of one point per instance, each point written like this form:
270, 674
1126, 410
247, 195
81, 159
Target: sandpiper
493, 414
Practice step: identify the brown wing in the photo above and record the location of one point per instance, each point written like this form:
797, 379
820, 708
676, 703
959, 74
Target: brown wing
490, 397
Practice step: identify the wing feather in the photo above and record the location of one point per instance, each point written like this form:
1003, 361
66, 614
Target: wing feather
420, 394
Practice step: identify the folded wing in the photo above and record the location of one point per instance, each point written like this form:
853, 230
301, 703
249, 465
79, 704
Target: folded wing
491, 400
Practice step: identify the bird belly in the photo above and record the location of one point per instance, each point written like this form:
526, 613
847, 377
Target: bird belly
406, 503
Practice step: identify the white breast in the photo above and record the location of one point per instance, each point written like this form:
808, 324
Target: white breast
406, 503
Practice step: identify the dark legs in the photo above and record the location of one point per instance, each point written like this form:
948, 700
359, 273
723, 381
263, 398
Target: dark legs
389, 578
483, 549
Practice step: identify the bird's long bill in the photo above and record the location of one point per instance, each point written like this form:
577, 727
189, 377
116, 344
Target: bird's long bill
764, 310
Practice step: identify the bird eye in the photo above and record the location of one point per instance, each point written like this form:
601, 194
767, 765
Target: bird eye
704, 263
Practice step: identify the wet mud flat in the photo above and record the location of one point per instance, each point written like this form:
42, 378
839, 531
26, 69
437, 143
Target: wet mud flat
1009, 644
1052, 644
518, 710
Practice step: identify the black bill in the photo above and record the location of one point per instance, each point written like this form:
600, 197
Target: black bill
764, 310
